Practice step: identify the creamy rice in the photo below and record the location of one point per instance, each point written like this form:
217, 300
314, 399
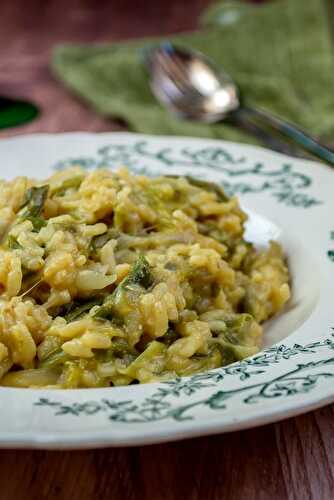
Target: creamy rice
107, 278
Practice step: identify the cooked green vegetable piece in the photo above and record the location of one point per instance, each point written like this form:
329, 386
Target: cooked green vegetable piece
49, 346
72, 182
236, 329
37, 377
120, 349
12, 243
200, 362
99, 241
75, 310
212, 187
34, 203
234, 351
169, 337
147, 357
139, 276
37, 222
55, 359
35, 198
208, 186
106, 310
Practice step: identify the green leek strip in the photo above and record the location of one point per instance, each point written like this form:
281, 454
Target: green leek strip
33, 203
139, 275
153, 350
38, 377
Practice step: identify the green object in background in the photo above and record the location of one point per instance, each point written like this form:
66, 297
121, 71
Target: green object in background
14, 112
280, 55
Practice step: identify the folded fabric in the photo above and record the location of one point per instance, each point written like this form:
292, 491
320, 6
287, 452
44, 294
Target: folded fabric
280, 54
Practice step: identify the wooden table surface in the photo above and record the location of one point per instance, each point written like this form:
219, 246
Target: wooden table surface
293, 459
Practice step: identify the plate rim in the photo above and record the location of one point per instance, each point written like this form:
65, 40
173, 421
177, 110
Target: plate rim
48, 440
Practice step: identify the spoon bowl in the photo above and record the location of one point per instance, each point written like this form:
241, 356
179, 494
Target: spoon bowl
189, 84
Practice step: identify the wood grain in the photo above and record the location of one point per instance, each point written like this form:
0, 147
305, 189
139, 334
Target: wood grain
293, 459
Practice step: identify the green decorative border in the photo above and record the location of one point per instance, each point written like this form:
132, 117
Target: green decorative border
240, 176
330, 252
285, 184
164, 403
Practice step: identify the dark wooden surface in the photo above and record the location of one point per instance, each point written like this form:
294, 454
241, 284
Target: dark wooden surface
293, 459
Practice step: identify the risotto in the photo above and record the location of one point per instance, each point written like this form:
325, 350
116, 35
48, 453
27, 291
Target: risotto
108, 279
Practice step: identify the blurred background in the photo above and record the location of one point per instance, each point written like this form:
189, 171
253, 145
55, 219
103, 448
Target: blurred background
30, 30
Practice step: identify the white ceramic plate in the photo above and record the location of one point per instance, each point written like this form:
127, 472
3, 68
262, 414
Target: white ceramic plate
288, 200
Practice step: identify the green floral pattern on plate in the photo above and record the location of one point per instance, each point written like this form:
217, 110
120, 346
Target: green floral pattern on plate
165, 402
286, 184
239, 176
330, 252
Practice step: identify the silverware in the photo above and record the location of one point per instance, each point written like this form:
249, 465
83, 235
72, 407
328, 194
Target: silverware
187, 83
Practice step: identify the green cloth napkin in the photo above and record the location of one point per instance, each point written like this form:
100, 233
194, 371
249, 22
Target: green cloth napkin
280, 54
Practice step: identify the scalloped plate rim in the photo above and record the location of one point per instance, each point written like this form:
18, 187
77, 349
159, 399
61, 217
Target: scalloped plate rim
199, 426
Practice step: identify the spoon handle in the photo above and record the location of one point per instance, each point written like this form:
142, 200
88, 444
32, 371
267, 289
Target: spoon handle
297, 135
242, 119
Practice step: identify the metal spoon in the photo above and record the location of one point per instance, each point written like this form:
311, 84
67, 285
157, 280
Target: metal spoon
190, 85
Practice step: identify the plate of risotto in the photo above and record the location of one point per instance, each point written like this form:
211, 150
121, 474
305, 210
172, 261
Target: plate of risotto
159, 288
